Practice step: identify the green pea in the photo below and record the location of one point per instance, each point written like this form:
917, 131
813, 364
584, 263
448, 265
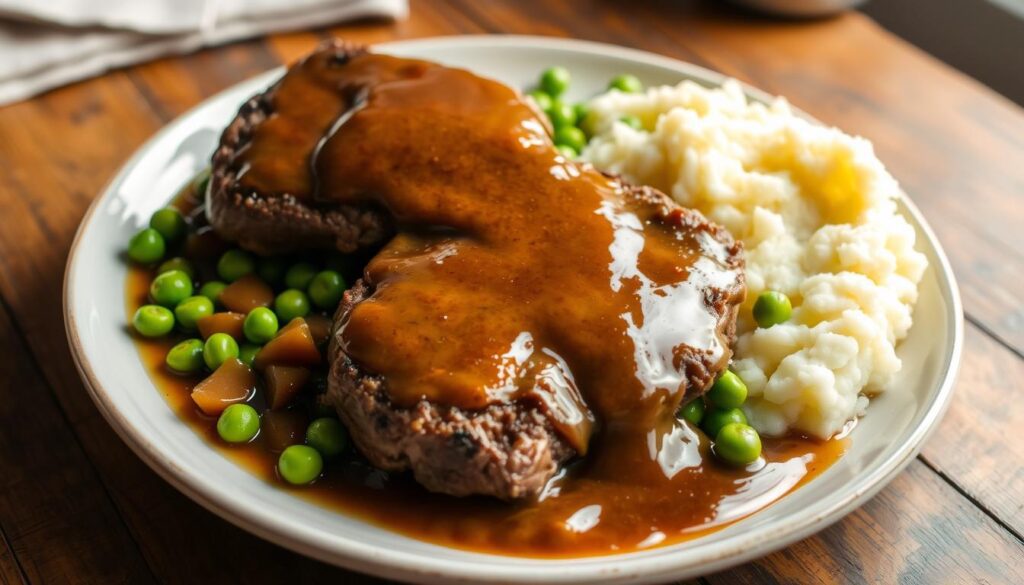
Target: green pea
235, 264
247, 353
772, 308
693, 411
212, 290
239, 423
191, 310
300, 464
326, 289
291, 304
271, 270
728, 391
327, 435
169, 222
300, 275
570, 136
716, 418
555, 80
147, 246
542, 99
260, 325
738, 443
153, 320
567, 151
626, 83
561, 114
170, 288
632, 122
219, 348
186, 357
582, 110
177, 263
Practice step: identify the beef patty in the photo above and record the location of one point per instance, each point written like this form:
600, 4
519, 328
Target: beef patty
278, 222
465, 441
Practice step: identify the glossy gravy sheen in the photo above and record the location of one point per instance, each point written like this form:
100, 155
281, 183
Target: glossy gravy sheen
707, 496
514, 275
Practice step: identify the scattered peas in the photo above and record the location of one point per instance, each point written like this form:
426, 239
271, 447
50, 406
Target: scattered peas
153, 320
716, 418
235, 264
191, 310
212, 290
555, 80
186, 357
570, 136
561, 114
170, 288
300, 464
567, 151
327, 435
271, 270
738, 443
299, 275
260, 325
239, 423
291, 304
247, 353
626, 83
772, 308
728, 391
177, 263
147, 246
693, 411
169, 222
543, 100
219, 348
632, 121
326, 289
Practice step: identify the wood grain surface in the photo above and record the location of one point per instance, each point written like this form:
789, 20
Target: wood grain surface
76, 506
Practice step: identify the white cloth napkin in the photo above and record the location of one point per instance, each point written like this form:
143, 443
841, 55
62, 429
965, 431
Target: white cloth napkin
48, 43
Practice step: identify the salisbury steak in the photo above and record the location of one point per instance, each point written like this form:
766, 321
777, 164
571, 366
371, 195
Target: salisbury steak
508, 450
268, 221
520, 302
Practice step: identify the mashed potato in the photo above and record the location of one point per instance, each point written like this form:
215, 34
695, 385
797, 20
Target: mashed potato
816, 211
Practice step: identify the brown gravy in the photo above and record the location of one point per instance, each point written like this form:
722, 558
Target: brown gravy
705, 497
515, 275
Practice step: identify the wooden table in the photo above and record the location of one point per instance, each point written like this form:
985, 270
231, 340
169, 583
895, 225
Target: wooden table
77, 506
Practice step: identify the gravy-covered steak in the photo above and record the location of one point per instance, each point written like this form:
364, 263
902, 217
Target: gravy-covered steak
522, 310
269, 217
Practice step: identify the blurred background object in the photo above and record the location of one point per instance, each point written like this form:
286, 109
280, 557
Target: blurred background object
48, 43
982, 38
802, 8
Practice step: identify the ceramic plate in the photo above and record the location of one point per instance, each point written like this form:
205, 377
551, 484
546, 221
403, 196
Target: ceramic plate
882, 444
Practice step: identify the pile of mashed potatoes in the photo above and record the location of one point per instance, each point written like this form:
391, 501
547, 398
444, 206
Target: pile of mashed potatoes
816, 211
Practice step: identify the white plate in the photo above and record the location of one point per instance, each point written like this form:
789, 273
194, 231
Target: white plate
883, 443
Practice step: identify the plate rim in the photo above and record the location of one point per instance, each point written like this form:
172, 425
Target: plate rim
352, 554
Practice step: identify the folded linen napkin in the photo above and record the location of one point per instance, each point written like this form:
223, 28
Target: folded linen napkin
45, 44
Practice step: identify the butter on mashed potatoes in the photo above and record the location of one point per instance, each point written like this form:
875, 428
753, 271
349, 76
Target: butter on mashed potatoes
816, 211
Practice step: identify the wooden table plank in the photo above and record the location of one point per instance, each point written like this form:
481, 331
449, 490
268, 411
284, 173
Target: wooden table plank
918, 530
976, 446
10, 570
55, 515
